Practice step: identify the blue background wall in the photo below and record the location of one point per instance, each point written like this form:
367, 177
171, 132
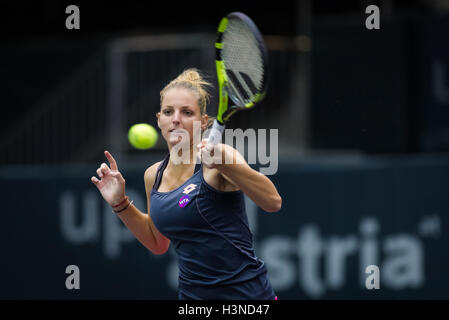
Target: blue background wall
337, 218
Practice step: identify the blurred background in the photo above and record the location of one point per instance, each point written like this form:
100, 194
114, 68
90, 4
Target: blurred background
363, 130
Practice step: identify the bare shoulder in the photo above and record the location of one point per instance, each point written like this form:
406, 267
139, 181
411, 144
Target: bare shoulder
150, 174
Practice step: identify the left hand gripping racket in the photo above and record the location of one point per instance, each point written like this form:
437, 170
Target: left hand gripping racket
242, 67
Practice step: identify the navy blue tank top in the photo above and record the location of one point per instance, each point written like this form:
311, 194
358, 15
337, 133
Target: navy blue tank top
209, 231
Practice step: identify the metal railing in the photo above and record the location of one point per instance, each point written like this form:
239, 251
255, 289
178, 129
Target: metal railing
119, 85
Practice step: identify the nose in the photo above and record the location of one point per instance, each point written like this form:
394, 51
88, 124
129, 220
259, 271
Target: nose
176, 119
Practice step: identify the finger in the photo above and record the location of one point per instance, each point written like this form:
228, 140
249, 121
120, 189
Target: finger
104, 168
111, 160
209, 148
99, 173
206, 156
207, 159
94, 180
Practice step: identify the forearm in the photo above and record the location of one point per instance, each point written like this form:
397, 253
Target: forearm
137, 222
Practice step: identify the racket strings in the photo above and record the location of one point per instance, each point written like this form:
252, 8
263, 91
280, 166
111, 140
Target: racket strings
243, 61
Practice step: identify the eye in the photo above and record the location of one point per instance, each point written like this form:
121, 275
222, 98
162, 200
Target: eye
188, 112
167, 112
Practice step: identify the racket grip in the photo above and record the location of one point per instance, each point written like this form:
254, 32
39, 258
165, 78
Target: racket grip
216, 132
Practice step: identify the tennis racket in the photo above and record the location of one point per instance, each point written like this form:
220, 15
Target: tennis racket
242, 66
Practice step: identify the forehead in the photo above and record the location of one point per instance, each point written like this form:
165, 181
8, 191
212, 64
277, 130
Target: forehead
180, 97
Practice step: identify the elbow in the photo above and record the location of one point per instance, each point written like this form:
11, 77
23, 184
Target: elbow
275, 204
159, 249
158, 252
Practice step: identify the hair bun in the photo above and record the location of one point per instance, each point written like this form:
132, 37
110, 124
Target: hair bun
191, 75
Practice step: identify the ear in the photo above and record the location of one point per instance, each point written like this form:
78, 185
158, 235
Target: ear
204, 120
158, 116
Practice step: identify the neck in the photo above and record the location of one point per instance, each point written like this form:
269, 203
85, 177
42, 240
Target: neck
180, 161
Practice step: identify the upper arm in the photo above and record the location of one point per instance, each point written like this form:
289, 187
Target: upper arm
254, 184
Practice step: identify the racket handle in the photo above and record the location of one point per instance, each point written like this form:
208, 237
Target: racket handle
216, 132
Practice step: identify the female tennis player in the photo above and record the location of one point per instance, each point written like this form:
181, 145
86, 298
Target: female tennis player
196, 206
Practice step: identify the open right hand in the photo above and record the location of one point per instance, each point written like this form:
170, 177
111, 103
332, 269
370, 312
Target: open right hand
111, 184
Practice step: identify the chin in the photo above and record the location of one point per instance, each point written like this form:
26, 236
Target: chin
172, 142
175, 141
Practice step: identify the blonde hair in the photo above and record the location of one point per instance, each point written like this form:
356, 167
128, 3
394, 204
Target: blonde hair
191, 79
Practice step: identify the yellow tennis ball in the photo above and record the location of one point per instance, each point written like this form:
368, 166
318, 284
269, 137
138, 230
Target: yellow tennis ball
142, 136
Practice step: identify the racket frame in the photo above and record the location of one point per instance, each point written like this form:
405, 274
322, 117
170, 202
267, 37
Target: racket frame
225, 91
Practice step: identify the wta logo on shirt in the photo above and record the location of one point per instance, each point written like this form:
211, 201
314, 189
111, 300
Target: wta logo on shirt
183, 201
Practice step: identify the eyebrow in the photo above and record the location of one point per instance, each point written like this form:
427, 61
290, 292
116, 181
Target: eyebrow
182, 107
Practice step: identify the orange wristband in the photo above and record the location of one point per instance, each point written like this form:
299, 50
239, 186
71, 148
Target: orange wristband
122, 202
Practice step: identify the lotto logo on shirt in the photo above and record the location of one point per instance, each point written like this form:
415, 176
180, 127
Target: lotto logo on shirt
189, 188
183, 201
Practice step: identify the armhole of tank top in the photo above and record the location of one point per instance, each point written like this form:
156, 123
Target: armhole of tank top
159, 172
